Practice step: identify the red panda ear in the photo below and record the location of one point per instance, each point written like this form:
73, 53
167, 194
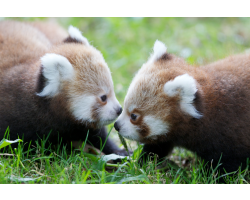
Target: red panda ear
185, 86
158, 51
76, 36
55, 68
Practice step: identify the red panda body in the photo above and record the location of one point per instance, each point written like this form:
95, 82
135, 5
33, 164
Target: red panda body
51, 86
203, 109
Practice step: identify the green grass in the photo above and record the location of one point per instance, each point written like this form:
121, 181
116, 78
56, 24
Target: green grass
63, 165
126, 44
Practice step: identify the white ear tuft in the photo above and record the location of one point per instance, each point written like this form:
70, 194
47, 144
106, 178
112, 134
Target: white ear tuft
55, 69
159, 50
185, 86
77, 35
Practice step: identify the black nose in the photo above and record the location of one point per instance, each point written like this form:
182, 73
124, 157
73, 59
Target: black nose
119, 111
116, 126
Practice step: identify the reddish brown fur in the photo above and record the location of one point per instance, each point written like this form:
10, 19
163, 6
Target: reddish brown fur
223, 98
51, 30
29, 115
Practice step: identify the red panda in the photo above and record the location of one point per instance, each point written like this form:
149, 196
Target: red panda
46, 85
203, 109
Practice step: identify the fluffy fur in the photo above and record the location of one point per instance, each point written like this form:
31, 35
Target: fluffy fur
54, 68
76, 34
82, 113
158, 50
47, 85
186, 87
204, 109
156, 126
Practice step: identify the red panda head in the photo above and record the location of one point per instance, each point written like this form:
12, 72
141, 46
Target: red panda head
160, 96
76, 74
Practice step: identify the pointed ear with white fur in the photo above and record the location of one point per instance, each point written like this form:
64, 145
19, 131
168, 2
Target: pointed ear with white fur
185, 86
158, 51
76, 36
55, 69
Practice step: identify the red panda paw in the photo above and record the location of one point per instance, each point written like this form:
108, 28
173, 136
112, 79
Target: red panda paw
123, 152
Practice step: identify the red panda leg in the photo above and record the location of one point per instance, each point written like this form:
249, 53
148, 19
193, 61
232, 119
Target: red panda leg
161, 150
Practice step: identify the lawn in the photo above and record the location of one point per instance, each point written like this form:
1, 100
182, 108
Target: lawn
126, 44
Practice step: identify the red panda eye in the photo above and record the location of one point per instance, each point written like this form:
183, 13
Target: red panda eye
104, 98
133, 116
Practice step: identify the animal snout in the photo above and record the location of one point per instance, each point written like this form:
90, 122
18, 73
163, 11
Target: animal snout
116, 125
119, 111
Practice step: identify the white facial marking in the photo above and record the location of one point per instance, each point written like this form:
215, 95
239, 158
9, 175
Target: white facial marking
55, 69
127, 129
156, 126
81, 107
159, 50
76, 34
131, 108
187, 87
109, 111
